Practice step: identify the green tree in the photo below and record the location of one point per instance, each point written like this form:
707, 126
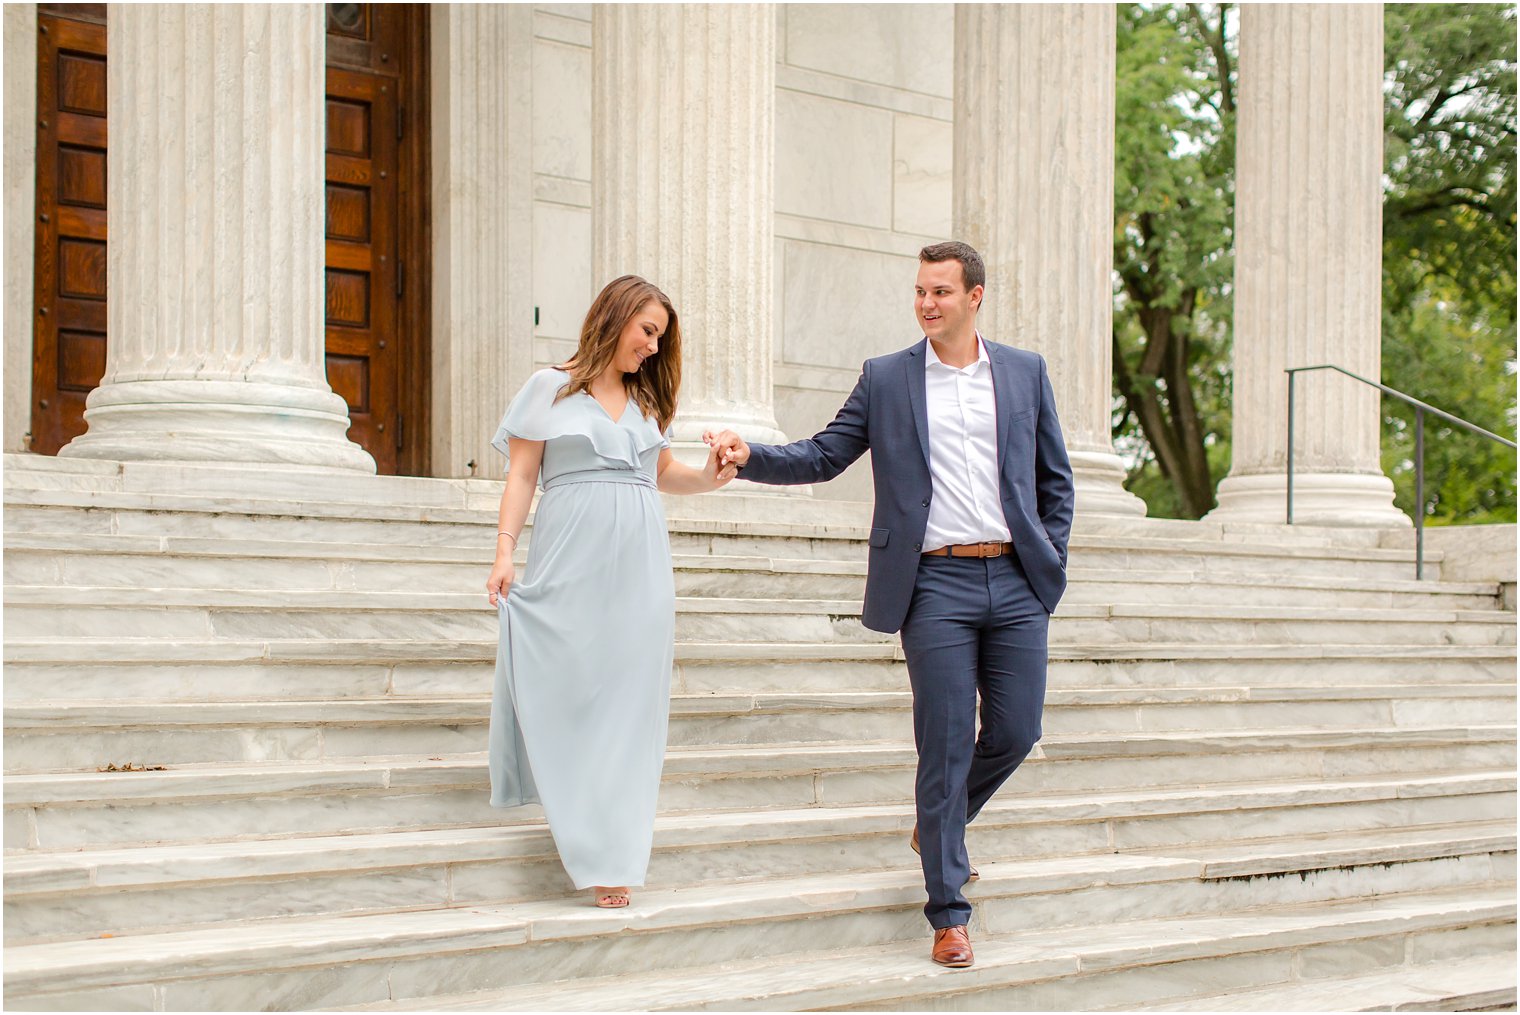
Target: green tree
1449, 250
1174, 202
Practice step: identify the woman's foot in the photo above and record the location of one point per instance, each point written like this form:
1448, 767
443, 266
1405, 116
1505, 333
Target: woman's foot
611, 898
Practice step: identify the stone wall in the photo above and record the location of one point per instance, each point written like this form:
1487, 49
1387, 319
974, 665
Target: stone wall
1476, 553
863, 149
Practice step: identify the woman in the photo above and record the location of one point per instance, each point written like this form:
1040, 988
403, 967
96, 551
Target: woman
582, 695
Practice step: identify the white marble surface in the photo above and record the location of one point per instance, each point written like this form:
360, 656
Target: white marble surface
699, 80
1469, 983
20, 227
921, 175
1308, 259
1066, 964
904, 45
833, 162
864, 309
482, 228
1297, 735
562, 271
1481, 553
562, 112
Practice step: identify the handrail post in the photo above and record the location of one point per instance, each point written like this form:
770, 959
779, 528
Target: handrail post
1292, 376
1420, 409
1419, 493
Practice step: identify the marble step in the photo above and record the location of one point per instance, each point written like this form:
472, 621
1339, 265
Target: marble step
56, 895
202, 803
1156, 965
358, 959
1484, 983
170, 562
793, 776
208, 487
205, 669
45, 736
48, 612
185, 562
42, 612
1151, 544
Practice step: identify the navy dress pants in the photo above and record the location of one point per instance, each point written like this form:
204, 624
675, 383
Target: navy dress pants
974, 626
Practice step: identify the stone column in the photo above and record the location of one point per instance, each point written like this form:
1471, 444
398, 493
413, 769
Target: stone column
20, 227
1308, 263
1033, 191
215, 264
683, 116
482, 214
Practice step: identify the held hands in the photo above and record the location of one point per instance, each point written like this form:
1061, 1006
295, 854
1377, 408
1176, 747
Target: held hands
729, 447
717, 474
502, 574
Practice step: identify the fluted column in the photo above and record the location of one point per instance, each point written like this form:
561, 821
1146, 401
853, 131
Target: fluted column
482, 214
1033, 191
683, 111
1308, 262
20, 226
215, 264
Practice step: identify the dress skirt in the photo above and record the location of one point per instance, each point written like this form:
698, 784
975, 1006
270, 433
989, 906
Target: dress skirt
581, 701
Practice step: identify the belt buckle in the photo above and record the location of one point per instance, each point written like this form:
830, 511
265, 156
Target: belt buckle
991, 549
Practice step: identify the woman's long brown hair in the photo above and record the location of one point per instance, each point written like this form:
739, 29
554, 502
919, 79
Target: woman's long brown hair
658, 383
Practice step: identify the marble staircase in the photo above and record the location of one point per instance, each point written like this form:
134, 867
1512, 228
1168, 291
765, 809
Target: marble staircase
1278, 773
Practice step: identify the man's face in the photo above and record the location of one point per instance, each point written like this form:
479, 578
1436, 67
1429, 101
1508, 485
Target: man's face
943, 305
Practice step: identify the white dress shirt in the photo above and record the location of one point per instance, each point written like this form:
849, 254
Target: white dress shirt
966, 507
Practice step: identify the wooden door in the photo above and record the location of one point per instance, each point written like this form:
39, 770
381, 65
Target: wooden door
376, 328
69, 334
363, 278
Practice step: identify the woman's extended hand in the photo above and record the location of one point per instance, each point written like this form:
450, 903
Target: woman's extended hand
718, 475
502, 574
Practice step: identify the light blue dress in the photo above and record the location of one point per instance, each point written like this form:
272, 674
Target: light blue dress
582, 696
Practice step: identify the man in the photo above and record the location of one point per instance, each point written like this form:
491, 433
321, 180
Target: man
967, 551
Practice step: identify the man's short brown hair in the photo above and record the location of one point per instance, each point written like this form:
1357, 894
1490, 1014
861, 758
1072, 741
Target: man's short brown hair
973, 272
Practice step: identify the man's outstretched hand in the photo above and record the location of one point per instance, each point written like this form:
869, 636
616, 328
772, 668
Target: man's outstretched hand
730, 447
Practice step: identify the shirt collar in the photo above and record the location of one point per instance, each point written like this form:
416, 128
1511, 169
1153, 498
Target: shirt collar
933, 360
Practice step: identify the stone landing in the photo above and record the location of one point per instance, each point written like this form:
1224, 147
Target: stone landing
1278, 773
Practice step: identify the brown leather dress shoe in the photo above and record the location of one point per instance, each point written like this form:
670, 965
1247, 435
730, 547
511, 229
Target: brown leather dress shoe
914, 843
952, 947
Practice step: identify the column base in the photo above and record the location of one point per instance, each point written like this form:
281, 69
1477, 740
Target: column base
1099, 480
219, 421
1350, 500
689, 427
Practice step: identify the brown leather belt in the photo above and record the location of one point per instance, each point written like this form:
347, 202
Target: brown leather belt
971, 550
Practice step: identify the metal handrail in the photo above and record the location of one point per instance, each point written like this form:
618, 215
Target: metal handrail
1420, 409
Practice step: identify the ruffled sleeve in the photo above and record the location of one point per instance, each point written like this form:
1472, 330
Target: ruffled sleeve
536, 415
528, 415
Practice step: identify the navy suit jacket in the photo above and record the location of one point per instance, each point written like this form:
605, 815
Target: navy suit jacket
888, 413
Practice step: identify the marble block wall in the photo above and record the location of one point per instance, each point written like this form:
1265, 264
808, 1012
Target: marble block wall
863, 148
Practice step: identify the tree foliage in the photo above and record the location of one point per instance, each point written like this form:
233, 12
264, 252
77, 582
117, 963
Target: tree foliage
1448, 265
1173, 265
1449, 252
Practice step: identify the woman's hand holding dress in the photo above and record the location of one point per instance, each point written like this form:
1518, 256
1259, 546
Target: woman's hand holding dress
502, 574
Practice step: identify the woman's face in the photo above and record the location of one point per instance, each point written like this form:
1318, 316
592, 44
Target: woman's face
641, 337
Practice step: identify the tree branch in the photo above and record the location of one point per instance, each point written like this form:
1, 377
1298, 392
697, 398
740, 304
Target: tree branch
1215, 43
